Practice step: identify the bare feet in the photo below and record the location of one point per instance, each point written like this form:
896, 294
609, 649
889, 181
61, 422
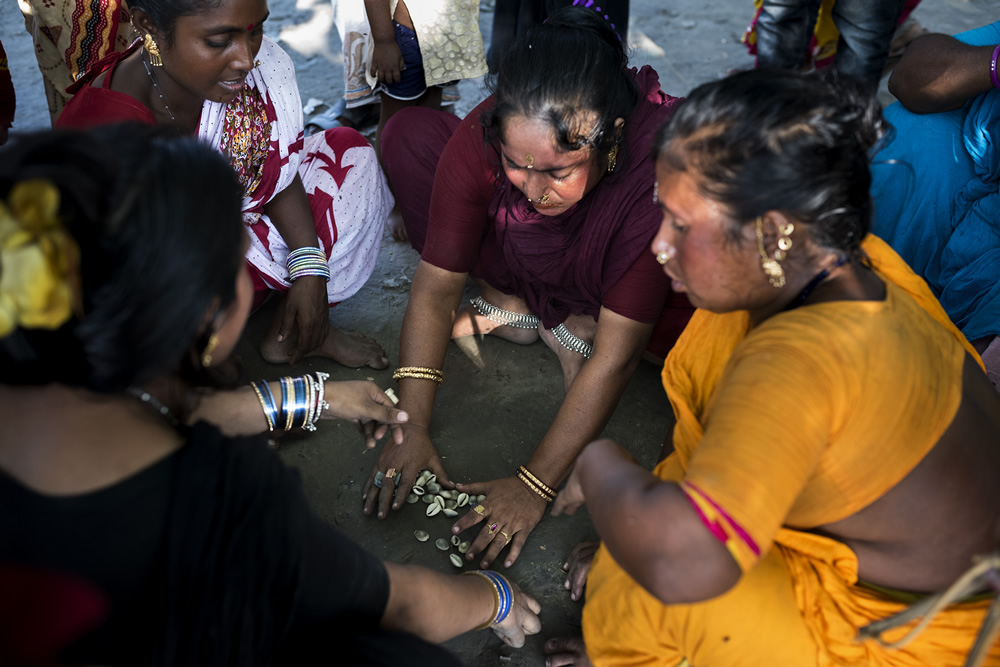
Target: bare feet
582, 326
348, 348
469, 322
566, 651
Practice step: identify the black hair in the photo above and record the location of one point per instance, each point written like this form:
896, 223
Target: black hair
157, 221
574, 62
164, 13
764, 140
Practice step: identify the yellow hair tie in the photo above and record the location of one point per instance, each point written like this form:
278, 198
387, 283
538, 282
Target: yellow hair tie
38, 260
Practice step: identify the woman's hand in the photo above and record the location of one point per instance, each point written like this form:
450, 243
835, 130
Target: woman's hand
578, 567
510, 512
306, 314
522, 619
367, 406
387, 61
407, 456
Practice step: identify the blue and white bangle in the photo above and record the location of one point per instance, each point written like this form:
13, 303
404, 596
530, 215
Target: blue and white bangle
307, 262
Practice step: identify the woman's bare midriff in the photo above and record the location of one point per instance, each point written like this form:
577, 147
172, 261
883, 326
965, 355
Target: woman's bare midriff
922, 534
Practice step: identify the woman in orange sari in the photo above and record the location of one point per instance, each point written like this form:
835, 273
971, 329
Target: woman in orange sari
836, 442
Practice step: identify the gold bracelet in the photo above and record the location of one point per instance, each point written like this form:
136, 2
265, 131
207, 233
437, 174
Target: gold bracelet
496, 599
547, 489
399, 374
546, 497
420, 369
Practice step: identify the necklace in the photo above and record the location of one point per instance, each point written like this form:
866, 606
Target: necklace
154, 403
156, 87
814, 283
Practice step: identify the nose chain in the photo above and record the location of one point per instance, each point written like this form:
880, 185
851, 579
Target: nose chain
156, 87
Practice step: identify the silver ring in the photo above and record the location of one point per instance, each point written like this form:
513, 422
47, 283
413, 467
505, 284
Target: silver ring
379, 476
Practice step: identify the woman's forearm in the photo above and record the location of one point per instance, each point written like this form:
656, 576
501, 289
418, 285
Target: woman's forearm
939, 73
592, 398
290, 214
434, 298
434, 606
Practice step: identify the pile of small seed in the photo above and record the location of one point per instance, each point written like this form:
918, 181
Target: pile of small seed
444, 502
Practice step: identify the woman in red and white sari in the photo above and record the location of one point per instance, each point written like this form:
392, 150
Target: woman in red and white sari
314, 206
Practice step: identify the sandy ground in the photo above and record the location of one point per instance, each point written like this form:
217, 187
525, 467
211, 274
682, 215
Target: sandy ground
499, 398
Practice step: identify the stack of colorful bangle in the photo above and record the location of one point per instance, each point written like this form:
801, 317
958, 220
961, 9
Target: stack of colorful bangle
503, 596
302, 401
307, 262
418, 373
547, 493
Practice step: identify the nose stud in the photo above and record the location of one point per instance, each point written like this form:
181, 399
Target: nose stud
544, 199
663, 257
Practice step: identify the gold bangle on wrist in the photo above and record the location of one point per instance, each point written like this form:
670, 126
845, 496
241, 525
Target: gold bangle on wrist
547, 489
528, 483
398, 375
418, 373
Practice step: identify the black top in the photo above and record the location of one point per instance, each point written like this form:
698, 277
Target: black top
210, 556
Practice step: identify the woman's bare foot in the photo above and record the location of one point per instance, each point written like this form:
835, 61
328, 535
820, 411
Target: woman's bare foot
566, 651
348, 348
470, 322
582, 326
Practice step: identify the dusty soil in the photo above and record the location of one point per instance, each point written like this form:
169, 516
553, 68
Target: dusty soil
494, 409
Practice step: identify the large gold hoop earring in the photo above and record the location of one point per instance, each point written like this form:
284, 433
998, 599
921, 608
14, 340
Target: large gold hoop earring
153, 50
206, 355
771, 267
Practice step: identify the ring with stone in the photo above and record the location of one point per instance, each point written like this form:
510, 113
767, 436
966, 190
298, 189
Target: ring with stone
379, 476
394, 476
479, 509
493, 528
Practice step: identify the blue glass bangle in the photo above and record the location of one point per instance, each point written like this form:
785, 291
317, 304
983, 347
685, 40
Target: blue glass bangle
506, 594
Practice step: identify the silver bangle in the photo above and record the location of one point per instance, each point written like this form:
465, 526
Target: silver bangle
501, 316
571, 341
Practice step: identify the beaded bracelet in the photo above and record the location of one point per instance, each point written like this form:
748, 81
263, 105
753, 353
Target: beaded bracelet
993, 67
419, 373
307, 262
528, 483
503, 596
541, 485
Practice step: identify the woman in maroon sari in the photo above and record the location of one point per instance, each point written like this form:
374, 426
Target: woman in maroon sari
544, 195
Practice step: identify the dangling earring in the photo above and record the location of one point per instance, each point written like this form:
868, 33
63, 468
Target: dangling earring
153, 50
772, 269
612, 158
206, 356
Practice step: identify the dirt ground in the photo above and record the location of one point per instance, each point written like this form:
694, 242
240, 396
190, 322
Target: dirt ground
499, 398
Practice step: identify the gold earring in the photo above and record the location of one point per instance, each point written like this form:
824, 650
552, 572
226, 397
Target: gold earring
612, 158
153, 50
775, 274
206, 356
784, 242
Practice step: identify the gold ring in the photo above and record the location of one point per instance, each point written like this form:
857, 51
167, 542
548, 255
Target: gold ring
493, 528
506, 537
480, 510
390, 473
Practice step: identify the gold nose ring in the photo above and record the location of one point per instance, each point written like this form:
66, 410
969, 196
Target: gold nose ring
544, 199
